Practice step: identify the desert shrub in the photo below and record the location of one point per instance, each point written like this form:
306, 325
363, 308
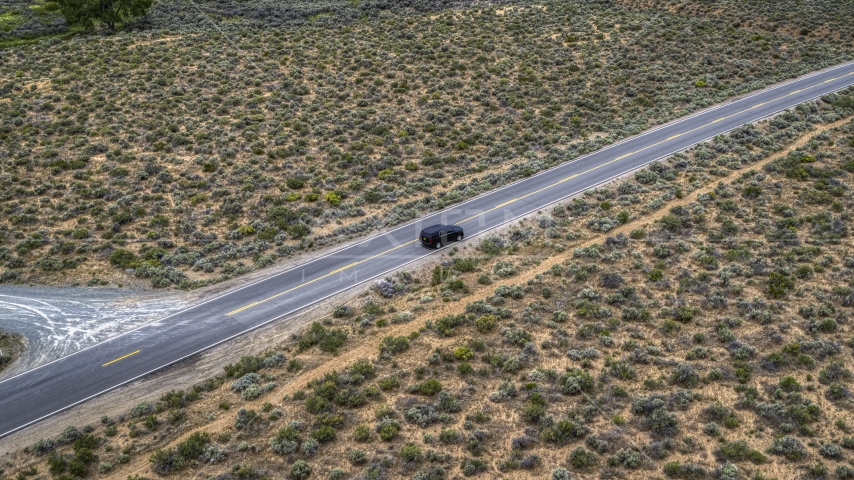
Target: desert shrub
779, 285
837, 391
485, 323
300, 470
739, 450
410, 453
627, 458
389, 383
450, 436
388, 429
576, 381
363, 368
245, 382
139, 410
564, 431
463, 353
817, 470
581, 459
362, 433
789, 384
447, 325
506, 390
165, 461
844, 471
516, 336
504, 269
310, 446
696, 353
663, 422
324, 434
44, 446
834, 372
623, 370
214, 453
428, 387
720, 413
121, 258
247, 364
358, 457
473, 466
560, 474
328, 339
535, 409
789, 447
285, 441
830, 450
685, 375
245, 418
676, 469
391, 345
727, 471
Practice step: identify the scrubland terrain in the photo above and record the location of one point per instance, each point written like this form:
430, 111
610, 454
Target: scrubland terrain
691, 321
212, 138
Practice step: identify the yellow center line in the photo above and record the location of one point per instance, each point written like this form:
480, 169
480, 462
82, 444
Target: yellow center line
120, 358
333, 272
245, 307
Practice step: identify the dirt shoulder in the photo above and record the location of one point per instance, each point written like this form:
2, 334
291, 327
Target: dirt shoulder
12, 345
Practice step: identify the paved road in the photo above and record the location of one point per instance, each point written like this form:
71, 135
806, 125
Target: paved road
35, 395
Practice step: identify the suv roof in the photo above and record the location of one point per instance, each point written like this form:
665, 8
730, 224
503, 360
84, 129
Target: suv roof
434, 228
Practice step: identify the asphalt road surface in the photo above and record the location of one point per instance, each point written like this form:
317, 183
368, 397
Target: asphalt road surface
51, 388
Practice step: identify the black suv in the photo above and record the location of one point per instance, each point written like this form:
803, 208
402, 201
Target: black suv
436, 235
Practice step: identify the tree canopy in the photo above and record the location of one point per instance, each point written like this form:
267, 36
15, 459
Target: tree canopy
108, 12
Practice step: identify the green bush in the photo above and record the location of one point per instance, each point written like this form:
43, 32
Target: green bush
463, 353
563, 432
389, 383
428, 387
447, 325
485, 323
162, 461
789, 447
362, 433
789, 384
473, 466
582, 459
193, 446
739, 450
391, 345
328, 339
388, 429
300, 470
410, 453
121, 258
364, 368
285, 441
779, 285
247, 364
324, 434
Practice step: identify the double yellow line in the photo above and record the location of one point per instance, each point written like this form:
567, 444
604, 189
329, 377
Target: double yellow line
621, 157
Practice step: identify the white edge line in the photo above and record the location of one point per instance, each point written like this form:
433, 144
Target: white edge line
314, 303
453, 206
